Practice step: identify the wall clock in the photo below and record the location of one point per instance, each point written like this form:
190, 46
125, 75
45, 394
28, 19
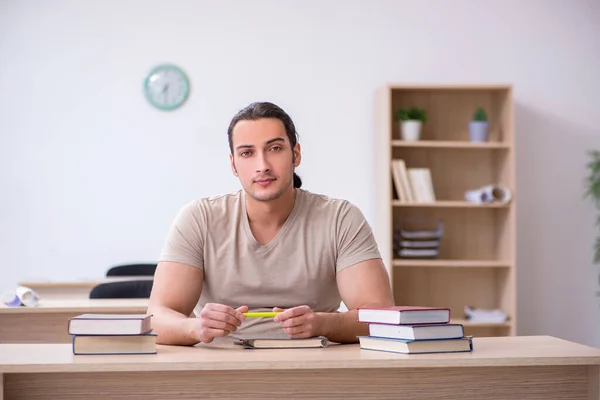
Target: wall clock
166, 87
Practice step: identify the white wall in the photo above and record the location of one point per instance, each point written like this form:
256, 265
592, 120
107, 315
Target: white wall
91, 175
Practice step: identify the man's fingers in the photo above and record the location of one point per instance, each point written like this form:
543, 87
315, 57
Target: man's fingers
221, 308
239, 311
298, 334
292, 313
213, 332
295, 321
220, 325
219, 316
295, 330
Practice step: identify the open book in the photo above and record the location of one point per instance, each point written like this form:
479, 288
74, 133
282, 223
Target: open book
281, 343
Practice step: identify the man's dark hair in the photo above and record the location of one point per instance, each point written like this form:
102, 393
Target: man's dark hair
260, 110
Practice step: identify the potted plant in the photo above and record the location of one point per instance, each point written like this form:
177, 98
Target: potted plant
478, 127
411, 121
592, 191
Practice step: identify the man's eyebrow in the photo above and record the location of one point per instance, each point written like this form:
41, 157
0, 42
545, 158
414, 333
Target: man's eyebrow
268, 142
277, 139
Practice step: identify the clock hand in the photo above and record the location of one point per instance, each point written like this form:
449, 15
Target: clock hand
165, 89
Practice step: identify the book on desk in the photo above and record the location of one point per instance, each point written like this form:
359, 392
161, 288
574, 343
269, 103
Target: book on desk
112, 334
412, 330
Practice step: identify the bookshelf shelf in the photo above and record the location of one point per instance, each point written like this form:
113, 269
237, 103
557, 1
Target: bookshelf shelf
449, 204
475, 263
407, 263
458, 144
469, 324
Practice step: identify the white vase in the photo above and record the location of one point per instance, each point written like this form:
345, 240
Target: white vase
410, 130
478, 131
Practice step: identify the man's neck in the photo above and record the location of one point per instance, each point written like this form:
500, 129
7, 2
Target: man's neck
271, 213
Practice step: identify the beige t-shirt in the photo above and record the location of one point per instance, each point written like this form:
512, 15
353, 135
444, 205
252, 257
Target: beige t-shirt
321, 237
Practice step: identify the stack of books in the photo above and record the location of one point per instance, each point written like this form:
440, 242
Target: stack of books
412, 330
112, 334
418, 237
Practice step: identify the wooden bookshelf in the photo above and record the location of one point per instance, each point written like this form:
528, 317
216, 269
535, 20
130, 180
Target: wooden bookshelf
476, 262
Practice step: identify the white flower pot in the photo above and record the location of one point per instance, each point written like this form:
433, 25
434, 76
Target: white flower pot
410, 130
478, 131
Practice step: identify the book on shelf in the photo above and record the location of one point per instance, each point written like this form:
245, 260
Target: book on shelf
413, 315
110, 324
114, 344
418, 253
407, 346
413, 185
401, 181
283, 343
421, 184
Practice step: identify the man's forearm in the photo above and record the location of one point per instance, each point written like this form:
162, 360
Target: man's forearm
341, 327
172, 327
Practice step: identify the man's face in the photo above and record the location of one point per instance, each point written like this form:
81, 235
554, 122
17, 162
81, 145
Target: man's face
262, 158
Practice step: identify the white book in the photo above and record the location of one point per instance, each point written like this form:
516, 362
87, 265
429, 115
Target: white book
110, 324
417, 332
405, 180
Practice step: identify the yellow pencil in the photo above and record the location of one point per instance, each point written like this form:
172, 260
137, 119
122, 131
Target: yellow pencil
261, 314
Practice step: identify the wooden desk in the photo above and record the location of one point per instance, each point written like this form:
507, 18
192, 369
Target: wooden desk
72, 290
47, 323
499, 368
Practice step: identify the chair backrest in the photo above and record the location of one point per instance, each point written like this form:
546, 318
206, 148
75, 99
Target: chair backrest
134, 289
132, 270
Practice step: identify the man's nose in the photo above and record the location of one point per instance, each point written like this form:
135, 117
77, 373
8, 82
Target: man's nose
262, 165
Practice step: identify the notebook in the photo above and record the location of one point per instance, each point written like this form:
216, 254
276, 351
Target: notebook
282, 343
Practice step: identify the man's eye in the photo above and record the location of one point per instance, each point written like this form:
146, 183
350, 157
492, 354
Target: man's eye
245, 153
276, 148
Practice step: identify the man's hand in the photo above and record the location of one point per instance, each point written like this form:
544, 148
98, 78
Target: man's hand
298, 322
217, 320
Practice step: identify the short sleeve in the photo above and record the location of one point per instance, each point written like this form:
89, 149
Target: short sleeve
355, 239
185, 238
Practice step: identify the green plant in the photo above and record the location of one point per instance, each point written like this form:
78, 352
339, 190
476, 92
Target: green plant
593, 191
480, 115
414, 113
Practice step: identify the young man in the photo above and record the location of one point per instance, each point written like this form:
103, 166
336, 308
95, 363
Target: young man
271, 246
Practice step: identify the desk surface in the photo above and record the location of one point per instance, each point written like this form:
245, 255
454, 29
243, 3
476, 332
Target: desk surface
490, 352
80, 305
36, 285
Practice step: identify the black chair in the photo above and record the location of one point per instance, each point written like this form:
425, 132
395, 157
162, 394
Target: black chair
135, 289
132, 270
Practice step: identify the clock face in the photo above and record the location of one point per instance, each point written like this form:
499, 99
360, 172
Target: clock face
166, 87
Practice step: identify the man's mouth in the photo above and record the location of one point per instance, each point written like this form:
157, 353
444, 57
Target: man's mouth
264, 181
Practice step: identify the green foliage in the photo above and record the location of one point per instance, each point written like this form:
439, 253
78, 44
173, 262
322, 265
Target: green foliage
593, 192
414, 113
480, 115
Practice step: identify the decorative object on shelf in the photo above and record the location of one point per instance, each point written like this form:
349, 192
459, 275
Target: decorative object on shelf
418, 237
592, 191
411, 122
21, 296
166, 87
489, 194
479, 126
485, 316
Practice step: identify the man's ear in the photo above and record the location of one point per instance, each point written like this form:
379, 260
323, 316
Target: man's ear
297, 155
233, 169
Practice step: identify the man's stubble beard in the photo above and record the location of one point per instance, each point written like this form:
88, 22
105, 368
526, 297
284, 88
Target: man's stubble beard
273, 196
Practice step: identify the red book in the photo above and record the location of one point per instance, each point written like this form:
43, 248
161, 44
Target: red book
405, 315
